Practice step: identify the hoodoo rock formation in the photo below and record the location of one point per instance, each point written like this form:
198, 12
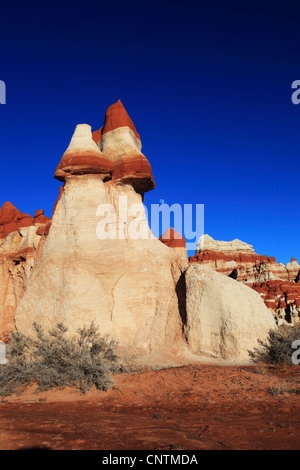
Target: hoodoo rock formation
87, 274
277, 284
19, 241
174, 240
97, 260
121, 143
83, 157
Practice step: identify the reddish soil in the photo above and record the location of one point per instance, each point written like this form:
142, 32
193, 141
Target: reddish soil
181, 408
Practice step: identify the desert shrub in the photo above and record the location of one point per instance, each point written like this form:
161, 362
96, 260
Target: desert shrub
55, 359
277, 349
283, 389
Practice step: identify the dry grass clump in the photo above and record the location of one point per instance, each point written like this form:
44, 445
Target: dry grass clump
55, 359
260, 369
277, 349
283, 388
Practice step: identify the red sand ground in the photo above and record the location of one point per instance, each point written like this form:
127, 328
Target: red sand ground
181, 408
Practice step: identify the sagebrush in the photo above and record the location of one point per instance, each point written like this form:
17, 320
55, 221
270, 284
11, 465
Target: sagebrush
55, 359
277, 349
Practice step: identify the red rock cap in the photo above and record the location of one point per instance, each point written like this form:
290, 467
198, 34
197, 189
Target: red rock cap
83, 156
96, 135
130, 165
11, 219
40, 218
173, 239
25, 220
117, 116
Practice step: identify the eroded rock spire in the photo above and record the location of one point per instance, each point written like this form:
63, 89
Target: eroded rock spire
83, 156
121, 144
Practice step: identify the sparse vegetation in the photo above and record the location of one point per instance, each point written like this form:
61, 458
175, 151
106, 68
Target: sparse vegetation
56, 360
277, 349
283, 389
260, 369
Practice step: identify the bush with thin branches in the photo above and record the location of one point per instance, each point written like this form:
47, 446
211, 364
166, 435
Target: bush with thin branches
55, 359
277, 348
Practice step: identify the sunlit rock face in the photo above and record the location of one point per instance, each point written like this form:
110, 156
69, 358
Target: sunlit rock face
97, 260
83, 157
18, 244
277, 284
224, 317
121, 144
11, 219
124, 283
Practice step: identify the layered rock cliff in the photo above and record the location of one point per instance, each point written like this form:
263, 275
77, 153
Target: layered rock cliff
19, 240
277, 284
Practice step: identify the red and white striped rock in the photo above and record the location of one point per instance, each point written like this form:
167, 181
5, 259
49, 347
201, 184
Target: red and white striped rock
137, 289
121, 144
19, 242
83, 157
276, 283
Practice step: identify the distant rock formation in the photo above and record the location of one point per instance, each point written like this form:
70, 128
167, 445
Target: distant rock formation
277, 284
11, 219
89, 263
174, 240
19, 241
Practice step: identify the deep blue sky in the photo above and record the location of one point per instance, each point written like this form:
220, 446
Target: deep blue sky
207, 84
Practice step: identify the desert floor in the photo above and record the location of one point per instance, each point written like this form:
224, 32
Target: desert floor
180, 408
